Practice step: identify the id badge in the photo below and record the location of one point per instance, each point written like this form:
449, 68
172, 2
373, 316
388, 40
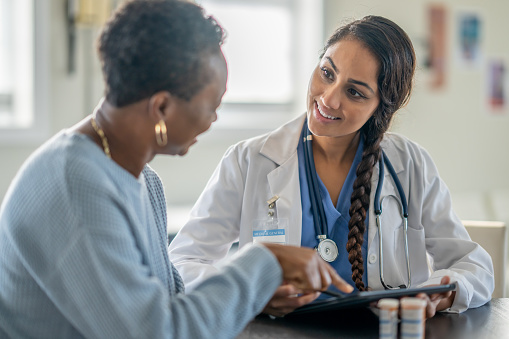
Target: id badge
271, 230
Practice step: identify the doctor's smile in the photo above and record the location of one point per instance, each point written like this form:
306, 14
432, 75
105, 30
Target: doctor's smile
321, 112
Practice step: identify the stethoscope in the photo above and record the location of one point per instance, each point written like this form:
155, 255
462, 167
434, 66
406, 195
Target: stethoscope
384, 160
327, 248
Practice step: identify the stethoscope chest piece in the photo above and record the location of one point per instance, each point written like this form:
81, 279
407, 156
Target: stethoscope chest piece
327, 249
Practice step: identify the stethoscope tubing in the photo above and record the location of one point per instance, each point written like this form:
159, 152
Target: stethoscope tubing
384, 161
319, 218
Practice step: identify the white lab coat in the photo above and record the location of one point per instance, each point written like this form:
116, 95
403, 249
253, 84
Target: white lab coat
253, 171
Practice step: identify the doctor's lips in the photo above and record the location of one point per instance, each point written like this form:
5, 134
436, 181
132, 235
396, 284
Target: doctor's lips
323, 114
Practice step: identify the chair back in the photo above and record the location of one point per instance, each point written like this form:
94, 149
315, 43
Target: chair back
492, 236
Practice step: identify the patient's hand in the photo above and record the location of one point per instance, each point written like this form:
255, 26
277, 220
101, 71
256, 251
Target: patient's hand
305, 273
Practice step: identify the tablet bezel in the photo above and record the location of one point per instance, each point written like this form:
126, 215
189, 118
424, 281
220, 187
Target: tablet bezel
365, 298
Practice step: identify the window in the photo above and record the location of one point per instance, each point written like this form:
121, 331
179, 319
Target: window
271, 47
256, 33
22, 75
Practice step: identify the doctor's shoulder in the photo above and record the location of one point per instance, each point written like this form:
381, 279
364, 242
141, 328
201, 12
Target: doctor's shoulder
276, 145
410, 153
244, 152
249, 146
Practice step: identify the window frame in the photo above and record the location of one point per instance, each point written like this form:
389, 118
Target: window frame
38, 130
237, 118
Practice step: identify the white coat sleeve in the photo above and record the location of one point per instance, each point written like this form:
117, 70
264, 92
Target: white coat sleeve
213, 225
448, 243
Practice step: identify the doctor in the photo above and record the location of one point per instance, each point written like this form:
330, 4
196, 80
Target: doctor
313, 182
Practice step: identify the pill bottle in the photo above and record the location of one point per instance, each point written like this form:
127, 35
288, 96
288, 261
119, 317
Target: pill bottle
388, 318
413, 317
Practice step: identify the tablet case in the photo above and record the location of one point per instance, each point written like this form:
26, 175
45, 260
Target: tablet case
365, 298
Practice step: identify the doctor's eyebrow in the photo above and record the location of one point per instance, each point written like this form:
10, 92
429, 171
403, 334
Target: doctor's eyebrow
350, 80
357, 82
332, 64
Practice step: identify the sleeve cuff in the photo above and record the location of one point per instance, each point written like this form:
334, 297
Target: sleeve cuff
463, 289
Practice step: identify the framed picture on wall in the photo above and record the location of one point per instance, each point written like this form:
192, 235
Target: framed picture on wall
496, 86
437, 43
469, 34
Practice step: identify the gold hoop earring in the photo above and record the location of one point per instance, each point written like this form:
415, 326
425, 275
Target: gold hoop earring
161, 135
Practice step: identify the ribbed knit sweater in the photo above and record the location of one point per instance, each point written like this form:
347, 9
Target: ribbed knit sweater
83, 253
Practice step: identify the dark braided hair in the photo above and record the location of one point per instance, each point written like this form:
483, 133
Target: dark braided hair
157, 45
394, 51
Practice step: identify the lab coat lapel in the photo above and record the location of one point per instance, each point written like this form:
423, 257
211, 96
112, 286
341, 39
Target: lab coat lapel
284, 182
284, 179
388, 186
393, 155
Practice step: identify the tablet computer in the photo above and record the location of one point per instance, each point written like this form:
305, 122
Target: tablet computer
365, 298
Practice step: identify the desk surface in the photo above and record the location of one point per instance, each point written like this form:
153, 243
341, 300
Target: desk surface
488, 321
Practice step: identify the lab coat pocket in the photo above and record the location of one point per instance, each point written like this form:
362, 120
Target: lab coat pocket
391, 221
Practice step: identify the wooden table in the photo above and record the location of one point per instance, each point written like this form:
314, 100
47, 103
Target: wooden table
488, 321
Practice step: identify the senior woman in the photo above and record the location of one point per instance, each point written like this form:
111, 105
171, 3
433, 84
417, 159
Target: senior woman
83, 245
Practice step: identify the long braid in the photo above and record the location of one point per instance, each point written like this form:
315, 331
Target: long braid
358, 208
373, 132
393, 49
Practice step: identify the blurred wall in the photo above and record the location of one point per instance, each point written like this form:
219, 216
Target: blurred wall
468, 145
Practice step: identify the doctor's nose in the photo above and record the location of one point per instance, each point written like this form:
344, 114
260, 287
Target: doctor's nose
331, 98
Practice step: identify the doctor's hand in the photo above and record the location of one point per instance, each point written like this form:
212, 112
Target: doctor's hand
438, 301
304, 272
286, 299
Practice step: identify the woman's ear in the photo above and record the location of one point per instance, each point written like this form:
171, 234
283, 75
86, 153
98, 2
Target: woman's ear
160, 106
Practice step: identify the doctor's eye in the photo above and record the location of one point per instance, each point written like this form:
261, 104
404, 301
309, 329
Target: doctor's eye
326, 73
353, 92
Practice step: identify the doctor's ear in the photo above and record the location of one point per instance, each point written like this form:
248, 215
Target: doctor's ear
160, 105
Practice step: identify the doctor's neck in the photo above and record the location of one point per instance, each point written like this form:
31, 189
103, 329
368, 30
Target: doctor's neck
336, 149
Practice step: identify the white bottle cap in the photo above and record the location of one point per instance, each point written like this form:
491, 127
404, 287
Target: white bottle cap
412, 303
388, 303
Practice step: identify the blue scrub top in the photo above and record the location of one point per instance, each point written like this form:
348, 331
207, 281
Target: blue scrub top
337, 218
